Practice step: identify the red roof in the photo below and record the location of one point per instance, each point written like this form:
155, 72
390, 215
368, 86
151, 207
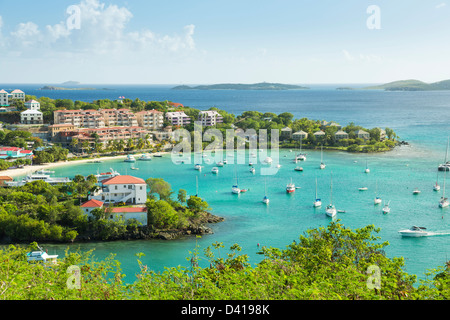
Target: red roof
92, 204
128, 209
123, 180
176, 104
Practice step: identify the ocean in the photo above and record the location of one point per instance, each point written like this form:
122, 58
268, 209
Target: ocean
420, 118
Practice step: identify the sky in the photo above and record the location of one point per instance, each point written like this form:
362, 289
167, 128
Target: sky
215, 41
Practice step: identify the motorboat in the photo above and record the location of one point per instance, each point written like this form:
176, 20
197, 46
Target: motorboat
215, 170
377, 200
130, 158
414, 231
443, 203
198, 167
106, 175
145, 157
252, 170
38, 177
43, 171
290, 188
416, 191
298, 169
444, 166
220, 164
362, 189
41, 256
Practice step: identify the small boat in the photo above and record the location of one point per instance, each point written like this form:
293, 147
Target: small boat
244, 190
252, 170
220, 164
225, 161
443, 203
145, 157
130, 158
43, 171
298, 169
215, 170
317, 201
322, 164
386, 208
265, 199
446, 165
157, 155
134, 168
250, 163
198, 167
416, 191
367, 169
290, 188
377, 200
106, 175
331, 210
235, 189
268, 160
362, 189
414, 232
38, 177
341, 211
40, 255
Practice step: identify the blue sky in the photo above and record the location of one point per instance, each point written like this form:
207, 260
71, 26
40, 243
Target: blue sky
207, 41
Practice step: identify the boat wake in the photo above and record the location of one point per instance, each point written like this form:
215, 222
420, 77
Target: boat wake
430, 234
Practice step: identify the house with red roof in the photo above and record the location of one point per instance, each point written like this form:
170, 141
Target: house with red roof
122, 189
14, 152
138, 212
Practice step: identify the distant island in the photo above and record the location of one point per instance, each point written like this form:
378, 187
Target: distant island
412, 85
240, 86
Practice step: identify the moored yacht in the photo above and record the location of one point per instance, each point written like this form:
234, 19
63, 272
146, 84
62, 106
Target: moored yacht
130, 158
38, 177
290, 188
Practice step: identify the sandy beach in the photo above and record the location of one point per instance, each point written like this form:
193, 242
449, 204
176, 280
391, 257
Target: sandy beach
29, 169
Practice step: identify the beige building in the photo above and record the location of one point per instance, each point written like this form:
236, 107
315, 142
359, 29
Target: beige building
362, 134
339, 135
300, 135
150, 119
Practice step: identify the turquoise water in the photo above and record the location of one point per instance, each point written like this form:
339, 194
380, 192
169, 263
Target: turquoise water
421, 118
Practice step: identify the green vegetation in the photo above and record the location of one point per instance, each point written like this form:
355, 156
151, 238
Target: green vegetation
40, 212
329, 263
240, 86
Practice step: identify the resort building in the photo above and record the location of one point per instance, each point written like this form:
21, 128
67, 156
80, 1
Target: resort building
178, 118
319, 135
362, 134
88, 137
340, 135
55, 129
122, 189
79, 118
209, 118
14, 152
150, 119
300, 135
131, 212
286, 133
32, 115
119, 117
6, 98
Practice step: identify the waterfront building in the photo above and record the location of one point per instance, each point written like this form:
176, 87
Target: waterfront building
55, 129
339, 135
319, 135
14, 152
362, 134
121, 189
209, 118
300, 135
286, 133
178, 118
150, 119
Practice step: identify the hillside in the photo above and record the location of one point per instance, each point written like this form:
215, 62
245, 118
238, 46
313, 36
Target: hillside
239, 86
412, 85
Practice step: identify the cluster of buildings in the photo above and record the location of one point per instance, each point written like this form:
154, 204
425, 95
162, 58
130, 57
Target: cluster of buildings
6, 98
288, 134
125, 189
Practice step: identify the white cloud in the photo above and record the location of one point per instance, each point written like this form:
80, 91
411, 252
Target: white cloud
441, 5
362, 57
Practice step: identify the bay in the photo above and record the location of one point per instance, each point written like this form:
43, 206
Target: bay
420, 118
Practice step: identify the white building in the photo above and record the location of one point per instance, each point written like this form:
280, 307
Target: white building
134, 212
150, 119
6, 98
31, 117
209, 118
123, 188
32, 105
178, 118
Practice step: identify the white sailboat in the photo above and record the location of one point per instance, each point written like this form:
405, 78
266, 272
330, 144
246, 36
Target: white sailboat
301, 156
437, 187
446, 165
290, 188
443, 203
367, 168
377, 198
322, 164
331, 209
317, 201
215, 170
235, 189
266, 198
386, 208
